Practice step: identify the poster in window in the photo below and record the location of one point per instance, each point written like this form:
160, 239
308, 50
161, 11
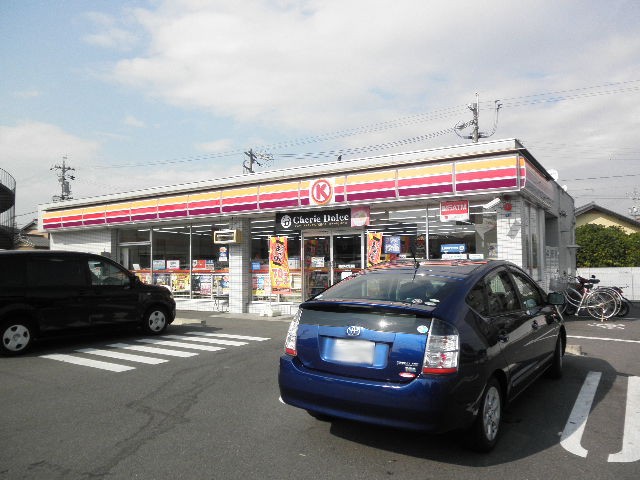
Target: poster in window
392, 244
180, 282
279, 265
374, 248
173, 264
159, 265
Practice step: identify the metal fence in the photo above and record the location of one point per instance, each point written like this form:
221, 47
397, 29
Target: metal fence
627, 278
7, 210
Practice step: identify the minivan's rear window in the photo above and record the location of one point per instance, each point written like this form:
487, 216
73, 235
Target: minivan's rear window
56, 272
393, 286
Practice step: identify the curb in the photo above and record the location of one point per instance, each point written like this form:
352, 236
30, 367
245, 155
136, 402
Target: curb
573, 349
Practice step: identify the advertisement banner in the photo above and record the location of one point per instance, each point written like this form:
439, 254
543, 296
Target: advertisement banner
374, 248
360, 216
279, 265
455, 210
392, 244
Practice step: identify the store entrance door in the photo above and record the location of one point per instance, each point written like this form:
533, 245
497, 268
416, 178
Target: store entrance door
329, 256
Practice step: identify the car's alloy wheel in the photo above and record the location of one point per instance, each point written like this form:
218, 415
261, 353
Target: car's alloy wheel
16, 337
487, 425
155, 321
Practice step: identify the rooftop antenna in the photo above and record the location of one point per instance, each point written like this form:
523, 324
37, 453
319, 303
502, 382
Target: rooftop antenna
476, 134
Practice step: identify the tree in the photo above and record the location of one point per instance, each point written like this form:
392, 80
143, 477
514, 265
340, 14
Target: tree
602, 246
633, 252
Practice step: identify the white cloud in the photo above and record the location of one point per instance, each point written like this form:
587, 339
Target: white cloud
216, 146
28, 93
110, 35
132, 121
30, 149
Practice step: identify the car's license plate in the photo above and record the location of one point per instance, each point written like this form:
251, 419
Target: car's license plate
351, 351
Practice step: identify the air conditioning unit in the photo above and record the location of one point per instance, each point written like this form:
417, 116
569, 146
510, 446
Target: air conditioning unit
227, 236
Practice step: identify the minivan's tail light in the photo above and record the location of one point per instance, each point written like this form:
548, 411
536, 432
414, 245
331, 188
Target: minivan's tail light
292, 335
443, 349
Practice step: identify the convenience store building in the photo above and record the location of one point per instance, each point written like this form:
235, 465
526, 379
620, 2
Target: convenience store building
218, 243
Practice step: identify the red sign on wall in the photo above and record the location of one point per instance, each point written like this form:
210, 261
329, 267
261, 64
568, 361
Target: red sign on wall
454, 210
321, 192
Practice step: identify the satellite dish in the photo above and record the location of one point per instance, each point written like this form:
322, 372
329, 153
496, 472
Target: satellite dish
554, 174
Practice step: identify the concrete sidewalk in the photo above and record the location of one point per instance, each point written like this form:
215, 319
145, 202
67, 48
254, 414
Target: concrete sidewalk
191, 317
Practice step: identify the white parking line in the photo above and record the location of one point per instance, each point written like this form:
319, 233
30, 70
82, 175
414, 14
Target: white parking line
631, 438
113, 367
206, 340
572, 434
604, 339
157, 351
226, 335
123, 356
169, 343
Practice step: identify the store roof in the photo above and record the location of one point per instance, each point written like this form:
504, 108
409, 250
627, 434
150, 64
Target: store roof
359, 164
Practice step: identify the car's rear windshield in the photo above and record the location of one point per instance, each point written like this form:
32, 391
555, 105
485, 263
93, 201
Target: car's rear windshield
397, 286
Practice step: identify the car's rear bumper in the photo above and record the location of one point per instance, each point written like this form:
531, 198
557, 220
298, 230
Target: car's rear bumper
423, 404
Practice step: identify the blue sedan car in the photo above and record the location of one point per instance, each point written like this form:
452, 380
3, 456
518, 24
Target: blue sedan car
431, 346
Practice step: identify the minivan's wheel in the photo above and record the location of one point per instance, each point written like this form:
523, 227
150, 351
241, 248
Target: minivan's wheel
155, 320
555, 370
16, 337
485, 430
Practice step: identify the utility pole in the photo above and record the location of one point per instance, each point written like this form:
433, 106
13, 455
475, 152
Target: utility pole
474, 123
63, 179
247, 164
634, 211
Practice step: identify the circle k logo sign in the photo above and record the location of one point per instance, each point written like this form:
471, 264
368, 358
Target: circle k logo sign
321, 191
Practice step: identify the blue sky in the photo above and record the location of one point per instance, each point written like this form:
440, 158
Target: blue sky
149, 93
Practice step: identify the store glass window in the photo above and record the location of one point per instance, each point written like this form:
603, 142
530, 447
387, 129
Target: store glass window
134, 247
261, 230
209, 264
171, 259
422, 232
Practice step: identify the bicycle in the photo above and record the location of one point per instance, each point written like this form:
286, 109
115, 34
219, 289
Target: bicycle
622, 303
598, 302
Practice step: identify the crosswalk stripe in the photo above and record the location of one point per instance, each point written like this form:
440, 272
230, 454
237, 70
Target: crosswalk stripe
114, 367
169, 343
206, 340
158, 351
226, 335
123, 356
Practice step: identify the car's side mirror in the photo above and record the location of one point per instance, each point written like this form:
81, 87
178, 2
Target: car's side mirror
555, 298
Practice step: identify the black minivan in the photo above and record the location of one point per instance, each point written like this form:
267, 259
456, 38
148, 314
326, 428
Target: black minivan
47, 292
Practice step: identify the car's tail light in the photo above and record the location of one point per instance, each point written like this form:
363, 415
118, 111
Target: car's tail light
443, 349
292, 335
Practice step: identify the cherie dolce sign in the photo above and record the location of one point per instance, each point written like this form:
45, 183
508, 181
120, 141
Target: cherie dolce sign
454, 210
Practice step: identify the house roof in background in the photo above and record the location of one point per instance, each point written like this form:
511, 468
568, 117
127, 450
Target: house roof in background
594, 207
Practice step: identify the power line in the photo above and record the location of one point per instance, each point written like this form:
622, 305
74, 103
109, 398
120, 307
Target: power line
441, 114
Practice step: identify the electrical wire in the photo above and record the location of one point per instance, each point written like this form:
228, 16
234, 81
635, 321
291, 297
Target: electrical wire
444, 113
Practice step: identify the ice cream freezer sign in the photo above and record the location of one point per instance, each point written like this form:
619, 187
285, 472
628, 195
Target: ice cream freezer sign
454, 211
